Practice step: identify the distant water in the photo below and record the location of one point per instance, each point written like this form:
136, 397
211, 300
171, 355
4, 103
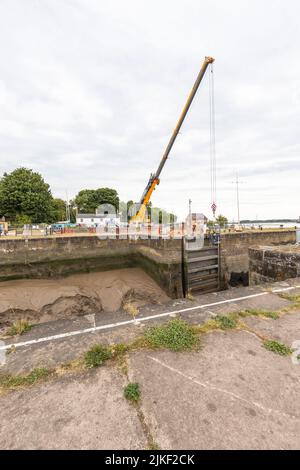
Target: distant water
274, 224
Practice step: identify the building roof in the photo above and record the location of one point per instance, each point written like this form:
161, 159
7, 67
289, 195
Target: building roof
89, 216
94, 216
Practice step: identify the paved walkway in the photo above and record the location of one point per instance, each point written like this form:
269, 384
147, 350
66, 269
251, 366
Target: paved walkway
233, 393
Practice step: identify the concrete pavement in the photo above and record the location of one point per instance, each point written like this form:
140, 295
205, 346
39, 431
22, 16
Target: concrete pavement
232, 394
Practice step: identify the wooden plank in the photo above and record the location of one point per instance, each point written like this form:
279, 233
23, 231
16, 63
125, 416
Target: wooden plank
202, 258
203, 268
206, 248
209, 277
205, 291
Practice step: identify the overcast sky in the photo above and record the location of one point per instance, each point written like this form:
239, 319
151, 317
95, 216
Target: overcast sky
90, 91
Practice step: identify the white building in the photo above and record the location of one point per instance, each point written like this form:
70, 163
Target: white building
96, 220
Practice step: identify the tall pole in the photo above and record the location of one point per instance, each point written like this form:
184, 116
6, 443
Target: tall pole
190, 208
67, 208
237, 198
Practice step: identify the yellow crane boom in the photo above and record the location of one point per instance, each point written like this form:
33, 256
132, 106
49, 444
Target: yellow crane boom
154, 177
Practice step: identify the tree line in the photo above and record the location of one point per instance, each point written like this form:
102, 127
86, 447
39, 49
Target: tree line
25, 198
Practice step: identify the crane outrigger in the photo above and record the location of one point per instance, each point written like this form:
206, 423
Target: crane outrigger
154, 180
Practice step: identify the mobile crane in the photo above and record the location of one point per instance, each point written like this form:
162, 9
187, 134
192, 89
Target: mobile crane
154, 180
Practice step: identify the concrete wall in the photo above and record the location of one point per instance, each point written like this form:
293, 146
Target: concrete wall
161, 259
269, 264
234, 256
62, 256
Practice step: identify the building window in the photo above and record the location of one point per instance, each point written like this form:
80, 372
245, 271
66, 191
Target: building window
92, 220
81, 220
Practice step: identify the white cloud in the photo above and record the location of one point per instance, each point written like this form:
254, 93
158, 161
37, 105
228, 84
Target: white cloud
90, 92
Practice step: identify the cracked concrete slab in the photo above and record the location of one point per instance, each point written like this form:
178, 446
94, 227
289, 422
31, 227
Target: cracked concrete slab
52, 353
86, 411
233, 394
285, 329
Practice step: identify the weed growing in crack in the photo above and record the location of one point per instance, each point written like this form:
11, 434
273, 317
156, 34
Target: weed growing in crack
190, 296
13, 381
132, 392
259, 313
277, 347
131, 309
176, 335
226, 322
19, 327
97, 355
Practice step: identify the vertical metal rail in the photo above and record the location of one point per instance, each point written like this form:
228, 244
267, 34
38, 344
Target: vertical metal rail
184, 276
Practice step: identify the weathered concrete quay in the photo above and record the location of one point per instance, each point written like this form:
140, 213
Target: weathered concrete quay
231, 394
161, 258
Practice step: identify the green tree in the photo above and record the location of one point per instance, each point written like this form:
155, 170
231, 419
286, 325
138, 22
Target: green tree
22, 220
72, 206
87, 200
24, 192
108, 196
222, 221
58, 210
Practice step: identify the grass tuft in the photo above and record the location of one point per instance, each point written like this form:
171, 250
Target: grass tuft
226, 321
97, 355
209, 325
119, 349
14, 381
259, 313
176, 335
277, 348
132, 392
19, 327
190, 296
291, 297
131, 309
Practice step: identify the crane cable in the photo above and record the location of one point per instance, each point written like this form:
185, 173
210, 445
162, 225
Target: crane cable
212, 132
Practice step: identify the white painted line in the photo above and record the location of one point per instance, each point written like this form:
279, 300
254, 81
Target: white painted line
130, 322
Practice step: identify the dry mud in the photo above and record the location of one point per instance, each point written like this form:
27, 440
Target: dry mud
38, 300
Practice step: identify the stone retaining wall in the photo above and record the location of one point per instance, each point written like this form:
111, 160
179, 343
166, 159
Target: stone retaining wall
61, 256
234, 257
269, 264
